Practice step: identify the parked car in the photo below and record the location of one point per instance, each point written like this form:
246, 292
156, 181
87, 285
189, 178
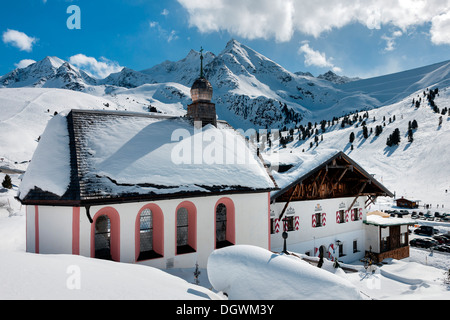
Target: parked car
423, 243
442, 248
446, 235
427, 230
441, 239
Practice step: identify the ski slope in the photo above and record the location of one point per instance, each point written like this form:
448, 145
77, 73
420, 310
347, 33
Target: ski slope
417, 170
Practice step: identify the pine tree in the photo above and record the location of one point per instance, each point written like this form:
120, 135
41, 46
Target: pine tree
365, 132
352, 137
410, 135
7, 183
378, 130
394, 138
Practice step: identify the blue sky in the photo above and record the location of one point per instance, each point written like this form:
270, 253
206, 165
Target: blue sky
355, 38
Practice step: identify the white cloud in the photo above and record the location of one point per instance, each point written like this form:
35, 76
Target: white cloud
165, 12
24, 63
440, 29
317, 58
98, 69
19, 40
163, 33
280, 19
390, 40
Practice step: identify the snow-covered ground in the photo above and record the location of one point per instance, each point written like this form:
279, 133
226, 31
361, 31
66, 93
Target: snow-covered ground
243, 272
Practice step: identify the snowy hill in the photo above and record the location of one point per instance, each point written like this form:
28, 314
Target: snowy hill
415, 170
392, 88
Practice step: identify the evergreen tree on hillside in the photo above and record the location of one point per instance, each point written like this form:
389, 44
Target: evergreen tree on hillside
365, 132
378, 130
352, 137
410, 135
394, 138
7, 183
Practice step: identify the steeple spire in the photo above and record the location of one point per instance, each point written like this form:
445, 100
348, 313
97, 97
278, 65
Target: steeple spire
201, 63
202, 109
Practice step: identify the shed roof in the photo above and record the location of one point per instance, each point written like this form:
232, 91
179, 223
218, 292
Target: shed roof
376, 220
90, 157
407, 200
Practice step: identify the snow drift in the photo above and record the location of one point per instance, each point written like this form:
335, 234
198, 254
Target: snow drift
248, 272
63, 277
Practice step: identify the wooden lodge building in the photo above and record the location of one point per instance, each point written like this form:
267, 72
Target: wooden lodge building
322, 203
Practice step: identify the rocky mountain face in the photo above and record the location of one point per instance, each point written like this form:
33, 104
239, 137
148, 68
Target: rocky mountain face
51, 72
334, 78
250, 90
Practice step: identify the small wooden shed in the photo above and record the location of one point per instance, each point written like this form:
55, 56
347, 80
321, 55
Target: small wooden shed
405, 203
387, 237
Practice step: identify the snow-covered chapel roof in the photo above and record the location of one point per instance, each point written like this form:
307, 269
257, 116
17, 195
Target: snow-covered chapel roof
90, 157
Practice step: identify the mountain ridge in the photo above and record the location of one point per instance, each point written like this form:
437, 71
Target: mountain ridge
250, 90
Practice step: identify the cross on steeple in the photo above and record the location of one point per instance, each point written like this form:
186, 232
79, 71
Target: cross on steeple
201, 62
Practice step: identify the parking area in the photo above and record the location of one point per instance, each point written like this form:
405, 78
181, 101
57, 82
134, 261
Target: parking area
432, 231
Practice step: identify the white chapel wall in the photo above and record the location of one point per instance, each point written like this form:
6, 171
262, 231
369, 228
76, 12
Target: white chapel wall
251, 227
308, 238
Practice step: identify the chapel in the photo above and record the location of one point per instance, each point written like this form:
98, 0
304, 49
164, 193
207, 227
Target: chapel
146, 188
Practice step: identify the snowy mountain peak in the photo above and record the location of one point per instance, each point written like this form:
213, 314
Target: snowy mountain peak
334, 78
250, 89
50, 72
54, 62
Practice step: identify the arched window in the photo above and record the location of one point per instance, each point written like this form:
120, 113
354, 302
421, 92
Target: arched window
149, 233
225, 223
105, 235
103, 238
186, 228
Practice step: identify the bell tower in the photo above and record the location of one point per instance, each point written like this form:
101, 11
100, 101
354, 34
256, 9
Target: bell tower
202, 109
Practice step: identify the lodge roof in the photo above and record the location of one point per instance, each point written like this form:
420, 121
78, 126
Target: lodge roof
100, 157
304, 166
